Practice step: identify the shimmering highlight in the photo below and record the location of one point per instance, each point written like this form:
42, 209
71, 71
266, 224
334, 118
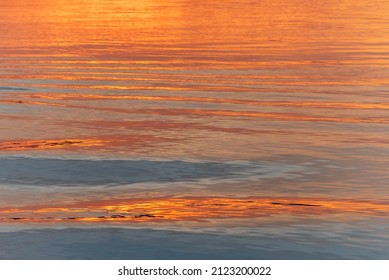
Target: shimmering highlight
191, 209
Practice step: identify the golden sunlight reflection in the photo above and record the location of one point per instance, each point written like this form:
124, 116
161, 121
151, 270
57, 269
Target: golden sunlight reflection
191, 209
48, 144
132, 141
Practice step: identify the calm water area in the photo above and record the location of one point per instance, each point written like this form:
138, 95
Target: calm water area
184, 129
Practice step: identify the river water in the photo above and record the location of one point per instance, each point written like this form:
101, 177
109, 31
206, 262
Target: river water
194, 129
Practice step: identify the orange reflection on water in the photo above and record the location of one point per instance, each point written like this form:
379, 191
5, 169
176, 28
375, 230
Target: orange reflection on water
133, 141
312, 104
49, 144
227, 113
193, 209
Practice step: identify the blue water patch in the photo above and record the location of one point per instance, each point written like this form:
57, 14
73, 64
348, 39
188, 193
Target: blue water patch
76, 172
13, 88
115, 243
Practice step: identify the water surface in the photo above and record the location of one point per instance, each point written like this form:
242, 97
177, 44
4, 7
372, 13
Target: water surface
260, 126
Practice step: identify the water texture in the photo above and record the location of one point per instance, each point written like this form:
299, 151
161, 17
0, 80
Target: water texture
258, 129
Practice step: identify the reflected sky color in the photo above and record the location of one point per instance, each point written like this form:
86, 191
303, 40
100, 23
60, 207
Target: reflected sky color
289, 98
192, 209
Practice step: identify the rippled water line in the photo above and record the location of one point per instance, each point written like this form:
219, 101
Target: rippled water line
314, 104
248, 114
190, 209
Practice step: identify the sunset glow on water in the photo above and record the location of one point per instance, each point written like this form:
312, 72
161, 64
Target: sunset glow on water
229, 120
